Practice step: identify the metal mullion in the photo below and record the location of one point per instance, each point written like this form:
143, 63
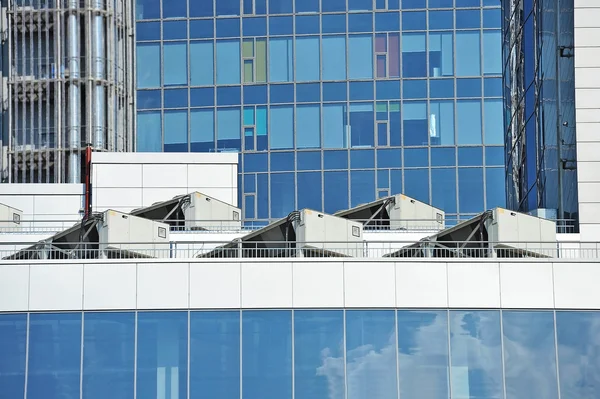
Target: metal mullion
51, 84
32, 60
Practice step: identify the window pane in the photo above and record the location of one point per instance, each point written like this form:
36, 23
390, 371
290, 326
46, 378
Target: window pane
441, 123
495, 191
175, 30
416, 184
307, 58
283, 193
54, 355
334, 58
215, 354
309, 196
441, 55
201, 8
281, 61
423, 354
360, 61
162, 354
261, 60
201, 63
147, 31
308, 160
371, 354
415, 124
228, 128
147, 9
443, 189
176, 131
175, 64
336, 191
494, 122
280, 6
202, 130
476, 359
267, 354
362, 187
149, 128
470, 190
492, 52
308, 126
228, 62
529, 355
333, 5
227, 7
362, 120
468, 60
13, 340
282, 127
414, 55
307, 6
108, 355
468, 123
148, 65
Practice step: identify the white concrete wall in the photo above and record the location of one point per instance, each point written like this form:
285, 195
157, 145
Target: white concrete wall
297, 283
587, 104
125, 181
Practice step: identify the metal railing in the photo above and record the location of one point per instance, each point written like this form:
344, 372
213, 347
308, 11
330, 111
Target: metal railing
358, 249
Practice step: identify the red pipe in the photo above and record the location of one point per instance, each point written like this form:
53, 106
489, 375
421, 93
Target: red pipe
88, 185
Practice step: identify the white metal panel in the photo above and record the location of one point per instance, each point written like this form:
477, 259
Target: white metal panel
473, 285
591, 212
215, 176
589, 131
22, 202
588, 151
526, 285
164, 158
117, 175
56, 287
369, 284
587, 78
576, 285
587, 17
58, 204
115, 198
164, 175
162, 285
589, 98
421, 285
153, 195
14, 288
110, 286
267, 285
318, 284
215, 285
585, 116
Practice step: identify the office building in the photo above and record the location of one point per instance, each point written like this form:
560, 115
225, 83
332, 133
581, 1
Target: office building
67, 70
331, 103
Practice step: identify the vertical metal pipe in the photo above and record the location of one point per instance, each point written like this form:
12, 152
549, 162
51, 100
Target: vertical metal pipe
99, 61
74, 125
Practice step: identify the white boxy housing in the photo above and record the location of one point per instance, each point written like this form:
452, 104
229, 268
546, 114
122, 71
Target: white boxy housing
331, 234
207, 213
10, 218
409, 214
136, 236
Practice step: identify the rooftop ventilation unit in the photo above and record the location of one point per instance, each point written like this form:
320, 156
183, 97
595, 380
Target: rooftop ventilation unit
206, 213
10, 218
397, 212
131, 236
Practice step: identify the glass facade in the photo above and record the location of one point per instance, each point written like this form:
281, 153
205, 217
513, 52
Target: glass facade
304, 354
331, 103
539, 86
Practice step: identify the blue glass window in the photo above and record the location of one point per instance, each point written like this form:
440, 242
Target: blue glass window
492, 87
494, 122
147, 31
530, 354
215, 354
390, 89
229, 95
362, 159
492, 52
494, 155
108, 355
470, 156
468, 60
441, 57
307, 24
416, 184
201, 29
362, 119
441, 3
228, 27
387, 21
441, 88
362, 187
308, 131
334, 126
149, 137
470, 190
54, 355
173, 30
371, 354
148, 99
468, 87
412, 4
476, 359
333, 23
255, 162
281, 25
334, 58
333, 5
307, 6
361, 90
336, 190
255, 26
228, 62
492, 18
443, 187
282, 94
415, 126
308, 92
411, 90
176, 9
202, 97
334, 91
309, 185
227, 7
389, 158
468, 123
307, 58
443, 156
202, 130
176, 98
176, 131
441, 19
468, 19
147, 9
336, 159
201, 8
416, 157
162, 354
262, 194
308, 160
280, 6
255, 94
359, 66
360, 5
495, 191
441, 122
267, 354
414, 55
281, 161
423, 353
175, 63
282, 127
228, 128
414, 20
148, 65
358, 23
283, 193
281, 61
468, 3
13, 342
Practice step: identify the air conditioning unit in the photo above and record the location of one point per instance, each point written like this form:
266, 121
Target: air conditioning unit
522, 234
10, 218
122, 235
210, 214
329, 235
409, 214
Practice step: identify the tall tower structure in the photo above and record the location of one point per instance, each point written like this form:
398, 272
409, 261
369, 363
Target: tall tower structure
67, 84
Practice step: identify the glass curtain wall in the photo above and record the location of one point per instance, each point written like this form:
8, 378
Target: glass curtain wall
304, 354
331, 103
